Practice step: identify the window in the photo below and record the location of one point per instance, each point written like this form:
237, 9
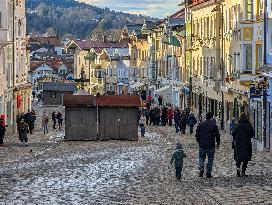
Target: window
259, 61
201, 64
204, 66
212, 66
198, 66
260, 9
249, 9
248, 57
0, 20
207, 67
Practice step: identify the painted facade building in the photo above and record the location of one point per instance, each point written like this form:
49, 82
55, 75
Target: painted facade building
17, 93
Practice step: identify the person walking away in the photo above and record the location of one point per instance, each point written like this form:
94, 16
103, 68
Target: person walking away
60, 119
2, 131
23, 129
177, 158
170, 116
151, 116
232, 125
187, 111
164, 116
242, 134
206, 134
183, 122
30, 121
34, 117
157, 115
45, 120
191, 121
142, 125
160, 100
177, 119
147, 116
54, 118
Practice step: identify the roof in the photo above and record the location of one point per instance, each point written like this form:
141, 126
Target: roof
88, 44
79, 100
59, 86
118, 101
54, 64
55, 41
46, 55
102, 100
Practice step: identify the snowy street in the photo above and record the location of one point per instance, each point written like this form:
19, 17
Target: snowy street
53, 171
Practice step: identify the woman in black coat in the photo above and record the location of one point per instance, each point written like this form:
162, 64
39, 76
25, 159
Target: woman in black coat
242, 145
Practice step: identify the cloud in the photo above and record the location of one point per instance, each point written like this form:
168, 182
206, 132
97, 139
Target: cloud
155, 8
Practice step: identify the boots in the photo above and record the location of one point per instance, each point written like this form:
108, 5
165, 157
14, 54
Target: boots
208, 175
244, 173
201, 173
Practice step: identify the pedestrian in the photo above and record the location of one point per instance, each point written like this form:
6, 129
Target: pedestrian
183, 122
23, 129
170, 116
232, 125
2, 131
242, 134
151, 116
30, 121
177, 158
147, 116
54, 118
45, 120
60, 119
157, 115
164, 116
160, 100
34, 117
177, 119
142, 122
187, 111
191, 121
206, 134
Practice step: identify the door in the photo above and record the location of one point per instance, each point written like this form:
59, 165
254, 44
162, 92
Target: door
80, 123
118, 123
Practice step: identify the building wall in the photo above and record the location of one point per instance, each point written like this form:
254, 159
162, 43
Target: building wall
49, 100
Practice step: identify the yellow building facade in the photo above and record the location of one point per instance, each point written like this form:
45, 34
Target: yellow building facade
204, 46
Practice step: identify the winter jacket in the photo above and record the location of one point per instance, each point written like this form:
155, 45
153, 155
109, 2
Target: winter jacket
178, 157
45, 120
183, 120
191, 121
59, 117
206, 134
2, 131
170, 114
242, 134
23, 130
177, 117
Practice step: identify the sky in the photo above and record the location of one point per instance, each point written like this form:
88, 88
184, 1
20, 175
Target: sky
154, 8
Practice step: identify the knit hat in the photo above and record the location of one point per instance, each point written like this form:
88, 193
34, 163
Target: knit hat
178, 145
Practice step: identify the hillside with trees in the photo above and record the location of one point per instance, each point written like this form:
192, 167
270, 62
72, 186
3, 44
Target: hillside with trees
71, 18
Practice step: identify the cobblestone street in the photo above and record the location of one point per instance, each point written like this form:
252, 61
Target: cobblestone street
53, 171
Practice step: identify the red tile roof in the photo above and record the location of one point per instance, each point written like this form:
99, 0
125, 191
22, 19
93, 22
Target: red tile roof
102, 100
54, 64
118, 101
